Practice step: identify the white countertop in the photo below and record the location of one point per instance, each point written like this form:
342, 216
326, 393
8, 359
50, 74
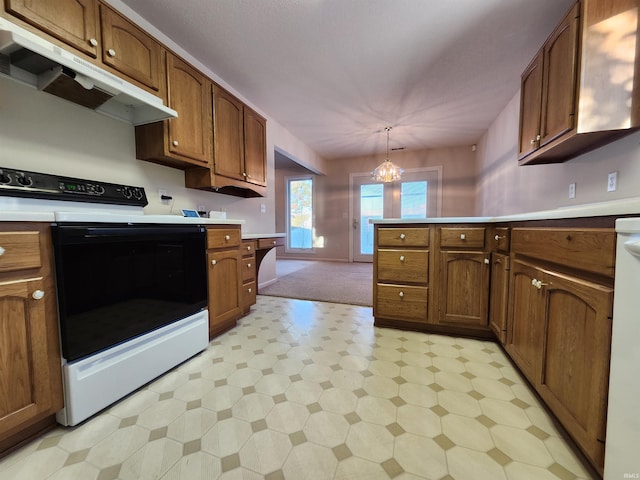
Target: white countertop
627, 206
252, 236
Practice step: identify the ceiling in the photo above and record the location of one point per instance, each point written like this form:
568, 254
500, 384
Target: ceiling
335, 73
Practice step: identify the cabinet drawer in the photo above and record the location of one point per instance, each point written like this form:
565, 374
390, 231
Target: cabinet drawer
21, 250
403, 237
248, 293
248, 248
223, 237
270, 242
403, 266
469, 237
248, 266
401, 302
501, 239
592, 250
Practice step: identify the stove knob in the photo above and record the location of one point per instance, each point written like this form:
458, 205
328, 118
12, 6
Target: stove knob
99, 189
24, 180
4, 178
126, 191
137, 193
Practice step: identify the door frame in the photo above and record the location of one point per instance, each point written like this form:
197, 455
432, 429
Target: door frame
438, 171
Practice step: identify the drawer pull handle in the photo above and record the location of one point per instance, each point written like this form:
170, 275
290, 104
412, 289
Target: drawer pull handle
498, 237
2, 250
37, 295
93, 42
401, 294
250, 290
248, 265
274, 242
402, 258
402, 236
213, 262
486, 261
462, 236
538, 283
175, 143
249, 248
111, 52
227, 237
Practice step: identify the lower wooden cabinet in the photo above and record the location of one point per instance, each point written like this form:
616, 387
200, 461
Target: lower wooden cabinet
249, 280
498, 295
464, 289
224, 278
30, 373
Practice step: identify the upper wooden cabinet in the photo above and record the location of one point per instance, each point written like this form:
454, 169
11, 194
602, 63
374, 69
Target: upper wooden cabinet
74, 22
128, 49
239, 150
184, 141
580, 92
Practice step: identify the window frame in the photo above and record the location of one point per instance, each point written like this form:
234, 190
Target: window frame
288, 180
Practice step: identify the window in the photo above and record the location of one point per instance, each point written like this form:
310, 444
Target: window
413, 199
300, 213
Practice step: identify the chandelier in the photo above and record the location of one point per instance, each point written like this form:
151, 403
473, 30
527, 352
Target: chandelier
387, 171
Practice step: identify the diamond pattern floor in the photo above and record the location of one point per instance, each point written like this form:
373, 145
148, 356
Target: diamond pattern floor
310, 390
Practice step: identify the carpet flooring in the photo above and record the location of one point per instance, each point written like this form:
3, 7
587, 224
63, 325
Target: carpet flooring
337, 282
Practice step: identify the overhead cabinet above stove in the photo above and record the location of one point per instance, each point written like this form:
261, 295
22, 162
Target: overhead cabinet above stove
582, 90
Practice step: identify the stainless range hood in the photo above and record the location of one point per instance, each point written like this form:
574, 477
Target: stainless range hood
32, 60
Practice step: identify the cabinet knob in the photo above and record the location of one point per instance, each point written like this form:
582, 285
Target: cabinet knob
402, 236
248, 248
111, 52
538, 137
402, 258
2, 250
213, 262
463, 236
486, 261
248, 265
93, 42
401, 294
227, 237
498, 237
37, 295
175, 143
533, 142
250, 290
244, 174
274, 242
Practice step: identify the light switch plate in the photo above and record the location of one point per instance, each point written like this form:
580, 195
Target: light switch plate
572, 190
612, 182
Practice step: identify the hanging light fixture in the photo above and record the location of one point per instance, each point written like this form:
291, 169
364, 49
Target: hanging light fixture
387, 171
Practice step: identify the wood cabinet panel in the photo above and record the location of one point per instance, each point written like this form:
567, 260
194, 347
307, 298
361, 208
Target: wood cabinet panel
592, 250
403, 266
255, 147
575, 369
74, 22
248, 269
464, 237
401, 302
271, 242
130, 50
499, 295
20, 251
464, 288
228, 133
403, 237
560, 75
224, 289
530, 107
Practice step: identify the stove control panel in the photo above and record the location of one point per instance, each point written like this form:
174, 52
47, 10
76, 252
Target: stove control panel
21, 183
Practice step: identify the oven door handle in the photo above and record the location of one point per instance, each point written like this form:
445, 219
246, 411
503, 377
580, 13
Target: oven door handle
68, 234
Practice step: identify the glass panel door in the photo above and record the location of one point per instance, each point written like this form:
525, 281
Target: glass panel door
370, 205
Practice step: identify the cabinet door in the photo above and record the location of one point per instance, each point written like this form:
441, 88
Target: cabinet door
499, 295
255, 147
130, 50
575, 371
530, 105
224, 288
189, 94
526, 328
464, 288
74, 22
559, 80
25, 382
228, 121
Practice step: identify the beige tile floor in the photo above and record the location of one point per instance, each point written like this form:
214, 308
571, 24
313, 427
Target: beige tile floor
308, 390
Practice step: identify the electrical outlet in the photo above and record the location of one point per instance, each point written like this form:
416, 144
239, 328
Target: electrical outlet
612, 182
263, 208
572, 190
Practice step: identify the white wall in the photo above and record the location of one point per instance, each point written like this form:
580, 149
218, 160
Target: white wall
505, 188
